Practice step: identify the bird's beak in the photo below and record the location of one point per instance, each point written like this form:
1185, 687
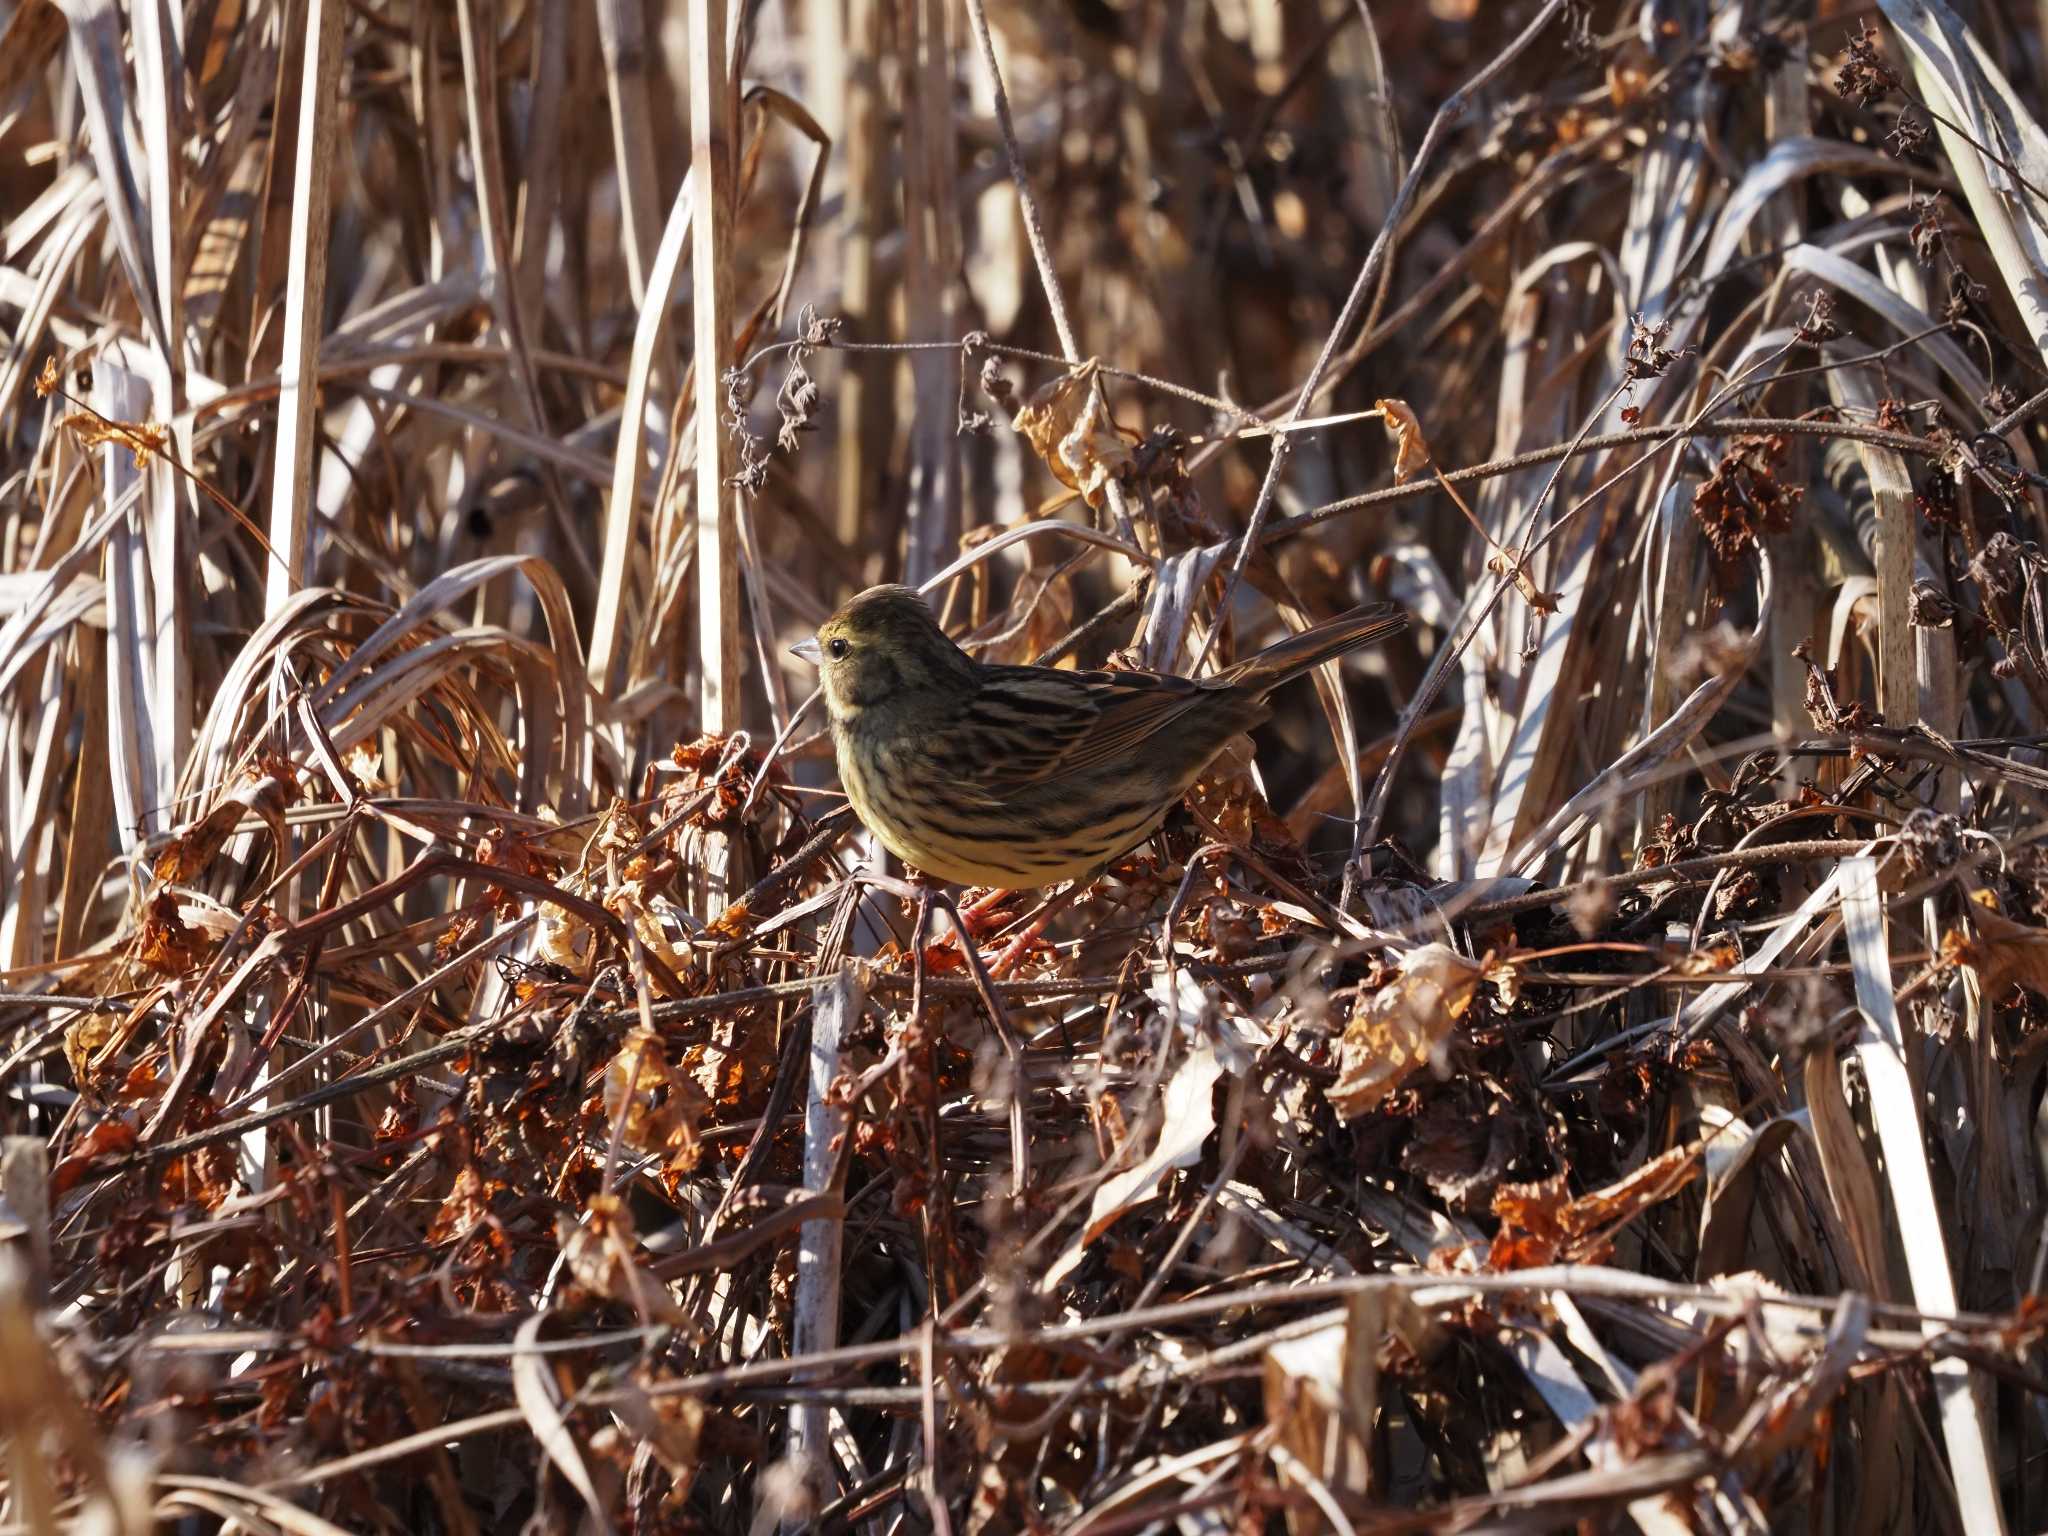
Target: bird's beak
808, 650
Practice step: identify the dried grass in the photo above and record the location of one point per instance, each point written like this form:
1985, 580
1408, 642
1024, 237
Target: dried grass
464, 1073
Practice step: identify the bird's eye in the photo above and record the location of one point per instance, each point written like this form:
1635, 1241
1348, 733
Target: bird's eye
837, 648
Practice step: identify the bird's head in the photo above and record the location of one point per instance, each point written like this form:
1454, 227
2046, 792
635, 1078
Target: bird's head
884, 645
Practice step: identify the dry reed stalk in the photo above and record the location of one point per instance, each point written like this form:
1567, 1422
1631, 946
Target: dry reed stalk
931, 307
622, 33
291, 498
714, 117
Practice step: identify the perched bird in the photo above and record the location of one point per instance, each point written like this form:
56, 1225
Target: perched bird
1023, 776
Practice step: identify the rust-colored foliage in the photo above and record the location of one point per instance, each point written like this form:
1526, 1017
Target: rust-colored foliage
1744, 501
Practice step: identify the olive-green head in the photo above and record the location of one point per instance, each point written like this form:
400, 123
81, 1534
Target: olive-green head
884, 646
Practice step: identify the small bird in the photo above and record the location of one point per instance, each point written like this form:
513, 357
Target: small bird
1019, 777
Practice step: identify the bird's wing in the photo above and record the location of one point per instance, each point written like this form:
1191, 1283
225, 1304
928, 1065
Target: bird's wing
1043, 724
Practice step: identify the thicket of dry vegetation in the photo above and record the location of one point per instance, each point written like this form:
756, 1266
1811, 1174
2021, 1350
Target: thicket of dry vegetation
463, 1071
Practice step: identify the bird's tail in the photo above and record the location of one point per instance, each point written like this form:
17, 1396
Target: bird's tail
1312, 647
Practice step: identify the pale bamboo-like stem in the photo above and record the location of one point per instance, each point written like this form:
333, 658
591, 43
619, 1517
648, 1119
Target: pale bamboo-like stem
622, 35
541, 161
477, 28
864, 393
1896, 1113
629, 463
932, 216
1891, 487
712, 139
291, 502
835, 1011
291, 492
1788, 114
158, 69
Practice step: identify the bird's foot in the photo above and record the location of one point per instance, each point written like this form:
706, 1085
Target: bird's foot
1019, 946
1034, 929
988, 912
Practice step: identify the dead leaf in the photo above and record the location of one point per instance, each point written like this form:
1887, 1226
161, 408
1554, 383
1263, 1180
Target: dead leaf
110, 1138
171, 946
1322, 1394
205, 1177
466, 1207
1629, 1196
1743, 502
1507, 561
1464, 1149
565, 939
1411, 453
1711, 960
83, 1039
1505, 972
2003, 953
599, 1252
1227, 794
146, 440
365, 762
261, 790
735, 923
733, 1069
1539, 1225
1531, 1223
539, 1397
1187, 1118
1734, 1157
1403, 1025
656, 1106
1067, 423
658, 921
670, 1426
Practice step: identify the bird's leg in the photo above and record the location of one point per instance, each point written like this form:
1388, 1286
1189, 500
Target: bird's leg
926, 893
993, 901
939, 1193
1035, 925
1012, 1043
920, 933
